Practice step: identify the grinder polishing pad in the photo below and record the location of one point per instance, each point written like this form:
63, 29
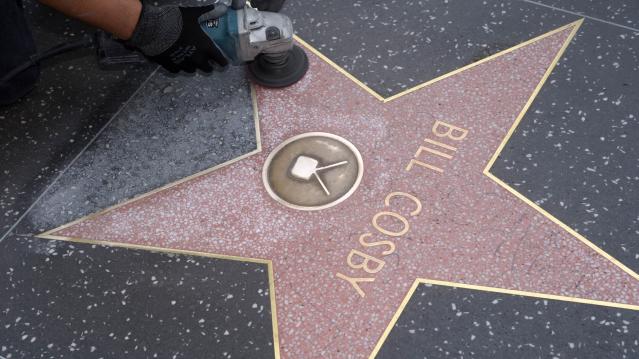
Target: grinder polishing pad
279, 70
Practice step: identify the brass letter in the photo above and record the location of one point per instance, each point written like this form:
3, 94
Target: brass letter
425, 165
433, 151
449, 133
391, 245
443, 145
354, 281
404, 194
364, 265
387, 232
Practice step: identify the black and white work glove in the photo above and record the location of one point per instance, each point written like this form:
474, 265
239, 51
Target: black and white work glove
172, 37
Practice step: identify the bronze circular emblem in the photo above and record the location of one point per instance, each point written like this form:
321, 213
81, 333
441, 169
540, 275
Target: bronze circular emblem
313, 171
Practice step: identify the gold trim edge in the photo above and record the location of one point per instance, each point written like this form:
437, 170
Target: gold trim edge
506, 139
258, 149
419, 281
436, 79
351, 77
267, 262
486, 171
576, 24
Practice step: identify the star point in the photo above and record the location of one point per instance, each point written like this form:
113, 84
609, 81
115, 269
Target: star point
425, 207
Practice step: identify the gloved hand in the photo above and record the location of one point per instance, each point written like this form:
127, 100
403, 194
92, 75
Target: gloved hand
172, 37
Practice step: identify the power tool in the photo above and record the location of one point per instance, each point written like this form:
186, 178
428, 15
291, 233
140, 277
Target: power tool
261, 39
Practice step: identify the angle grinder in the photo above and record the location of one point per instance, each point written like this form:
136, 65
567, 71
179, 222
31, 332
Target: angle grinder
263, 40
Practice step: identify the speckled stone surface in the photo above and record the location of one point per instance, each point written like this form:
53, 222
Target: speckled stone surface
173, 127
395, 45
576, 153
41, 134
623, 12
72, 300
468, 323
470, 229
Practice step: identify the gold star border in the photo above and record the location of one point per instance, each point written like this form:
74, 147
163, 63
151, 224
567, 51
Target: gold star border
575, 27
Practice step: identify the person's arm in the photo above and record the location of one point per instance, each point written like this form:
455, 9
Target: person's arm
118, 17
169, 35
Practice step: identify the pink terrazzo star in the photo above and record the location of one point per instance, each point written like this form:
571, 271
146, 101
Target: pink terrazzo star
470, 229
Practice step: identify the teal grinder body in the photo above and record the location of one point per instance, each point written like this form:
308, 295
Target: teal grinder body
263, 40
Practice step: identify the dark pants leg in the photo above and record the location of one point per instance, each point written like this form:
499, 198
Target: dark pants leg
16, 45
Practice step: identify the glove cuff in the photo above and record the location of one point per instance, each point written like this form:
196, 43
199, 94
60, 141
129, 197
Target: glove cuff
158, 28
